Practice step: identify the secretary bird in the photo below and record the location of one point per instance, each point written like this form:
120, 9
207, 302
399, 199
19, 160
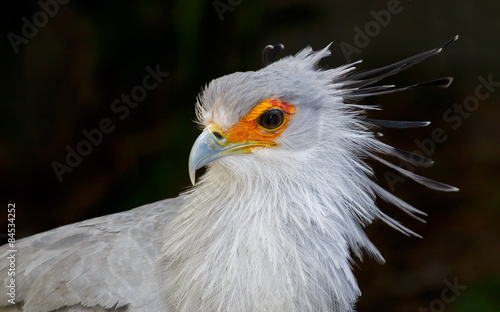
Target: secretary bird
272, 225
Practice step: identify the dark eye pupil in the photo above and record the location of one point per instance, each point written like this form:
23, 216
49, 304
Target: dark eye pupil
271, 119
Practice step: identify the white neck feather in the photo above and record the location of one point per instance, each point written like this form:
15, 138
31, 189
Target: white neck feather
260, 239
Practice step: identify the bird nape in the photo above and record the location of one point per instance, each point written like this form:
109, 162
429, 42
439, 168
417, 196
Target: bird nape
272, 225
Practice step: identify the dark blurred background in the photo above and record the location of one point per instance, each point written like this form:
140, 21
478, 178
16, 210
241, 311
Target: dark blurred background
61, 77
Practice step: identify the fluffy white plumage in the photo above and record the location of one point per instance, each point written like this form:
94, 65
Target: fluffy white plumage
271, 230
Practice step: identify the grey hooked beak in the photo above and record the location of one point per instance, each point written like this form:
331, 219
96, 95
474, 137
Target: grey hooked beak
211, 145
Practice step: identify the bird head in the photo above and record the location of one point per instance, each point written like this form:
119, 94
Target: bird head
292, 112
280, 113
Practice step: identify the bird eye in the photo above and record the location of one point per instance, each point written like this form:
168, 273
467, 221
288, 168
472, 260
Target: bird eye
272, 119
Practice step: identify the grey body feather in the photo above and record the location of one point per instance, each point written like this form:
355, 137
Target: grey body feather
102, 264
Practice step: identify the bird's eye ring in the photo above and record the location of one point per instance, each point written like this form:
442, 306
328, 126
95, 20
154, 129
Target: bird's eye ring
272, 119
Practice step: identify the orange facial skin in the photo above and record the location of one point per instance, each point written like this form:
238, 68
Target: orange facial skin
248, 129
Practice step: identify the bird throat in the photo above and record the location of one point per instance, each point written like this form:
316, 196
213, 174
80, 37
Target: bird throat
241, 243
